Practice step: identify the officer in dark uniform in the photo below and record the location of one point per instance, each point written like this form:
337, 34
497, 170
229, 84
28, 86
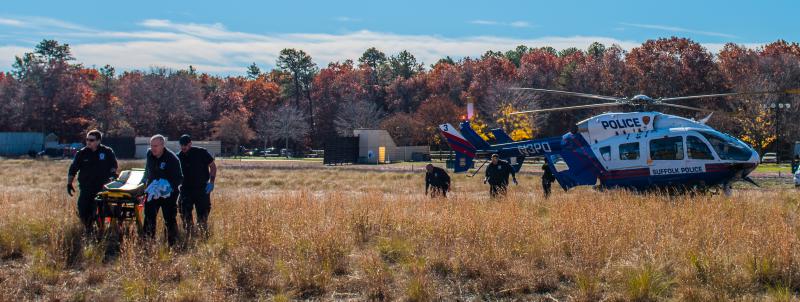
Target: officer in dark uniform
95, 166
437, 179
199, 173
161, 163
547, 180
497, 176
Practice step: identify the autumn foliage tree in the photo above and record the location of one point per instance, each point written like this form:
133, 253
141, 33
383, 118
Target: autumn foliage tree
54, 91
46, 91
434, 112
233, 129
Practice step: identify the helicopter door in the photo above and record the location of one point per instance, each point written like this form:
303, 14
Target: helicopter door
698, 154
667, 160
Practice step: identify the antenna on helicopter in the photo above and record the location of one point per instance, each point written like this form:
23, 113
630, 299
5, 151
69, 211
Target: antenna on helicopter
705, 119
639, 101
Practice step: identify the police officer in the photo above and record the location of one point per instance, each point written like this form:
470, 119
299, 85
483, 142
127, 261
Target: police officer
199, 173
160, 164
438, 179
547, 180
95, 166
497, 176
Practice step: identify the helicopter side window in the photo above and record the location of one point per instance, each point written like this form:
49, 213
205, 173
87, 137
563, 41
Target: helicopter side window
697, 149
629, 151
727, 148
668, 148
606, 153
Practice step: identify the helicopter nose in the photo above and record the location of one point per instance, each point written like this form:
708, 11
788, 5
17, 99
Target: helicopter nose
751, 164
754, 159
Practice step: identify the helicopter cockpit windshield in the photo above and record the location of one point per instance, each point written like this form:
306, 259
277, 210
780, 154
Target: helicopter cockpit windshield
728, 148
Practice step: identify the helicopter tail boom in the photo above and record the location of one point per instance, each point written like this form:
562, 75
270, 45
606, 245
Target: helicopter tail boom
473, 137
465, 151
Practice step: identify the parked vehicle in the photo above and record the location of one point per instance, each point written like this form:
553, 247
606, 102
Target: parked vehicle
769, 157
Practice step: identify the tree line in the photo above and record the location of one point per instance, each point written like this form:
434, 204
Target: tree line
303, 104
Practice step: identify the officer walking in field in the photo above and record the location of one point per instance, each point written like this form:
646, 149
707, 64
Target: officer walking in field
497, 176
199, 173
437, 179
95, 166
547, 180
163, 178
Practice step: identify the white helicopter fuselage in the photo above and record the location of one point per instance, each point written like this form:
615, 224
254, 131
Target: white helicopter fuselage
651, 149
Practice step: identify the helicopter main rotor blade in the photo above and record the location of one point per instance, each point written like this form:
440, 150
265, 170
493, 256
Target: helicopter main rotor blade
680, 98
568, 108
683, 107
569, 93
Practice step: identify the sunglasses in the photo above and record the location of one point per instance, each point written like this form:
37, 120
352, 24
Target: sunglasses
91, 140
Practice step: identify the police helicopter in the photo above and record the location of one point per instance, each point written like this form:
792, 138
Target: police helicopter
640, 150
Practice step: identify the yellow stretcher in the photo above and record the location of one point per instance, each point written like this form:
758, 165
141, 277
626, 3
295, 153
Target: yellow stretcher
122, 200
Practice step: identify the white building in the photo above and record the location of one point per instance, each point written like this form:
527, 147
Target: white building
377, 146
143, 144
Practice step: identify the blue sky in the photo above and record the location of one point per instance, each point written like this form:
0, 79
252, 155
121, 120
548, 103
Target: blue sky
223, 37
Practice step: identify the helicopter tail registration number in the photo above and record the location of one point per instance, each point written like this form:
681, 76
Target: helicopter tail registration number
534, 148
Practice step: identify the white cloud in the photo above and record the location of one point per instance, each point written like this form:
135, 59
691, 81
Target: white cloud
11, 22
8, 54
347, 19
517, 24
483, 22
42, 23
676, 29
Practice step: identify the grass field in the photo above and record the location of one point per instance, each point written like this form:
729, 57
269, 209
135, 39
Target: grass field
282, 233
783, 168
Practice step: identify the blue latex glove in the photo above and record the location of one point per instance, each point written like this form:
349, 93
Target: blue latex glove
209, 187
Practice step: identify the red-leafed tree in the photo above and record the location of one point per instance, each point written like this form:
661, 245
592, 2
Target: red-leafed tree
232, 129
446, 80
405, 129
335, 87
227, 97
434, 112
11, 106
671, 67
484, 75
538, 68
163, 101
405, 95
261, 94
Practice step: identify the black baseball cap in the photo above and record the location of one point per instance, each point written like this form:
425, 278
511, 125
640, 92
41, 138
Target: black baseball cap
185, 140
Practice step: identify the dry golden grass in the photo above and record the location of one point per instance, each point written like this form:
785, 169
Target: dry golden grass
332, 234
